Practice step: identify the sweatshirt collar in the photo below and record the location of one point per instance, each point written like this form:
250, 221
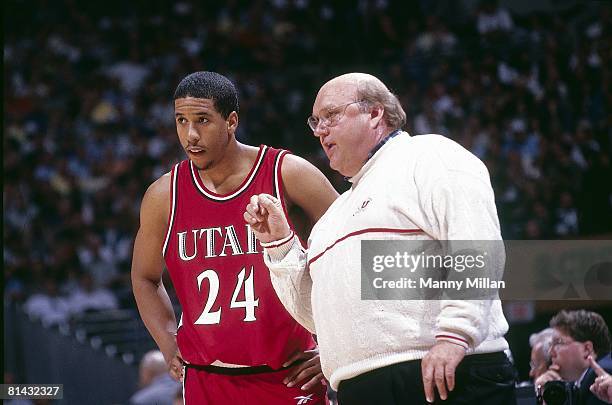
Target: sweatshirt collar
369, 161
382, 142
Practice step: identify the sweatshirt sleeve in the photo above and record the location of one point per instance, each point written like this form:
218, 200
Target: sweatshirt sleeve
291, 280
460, 206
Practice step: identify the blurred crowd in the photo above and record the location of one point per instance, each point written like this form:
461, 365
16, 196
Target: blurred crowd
88, 111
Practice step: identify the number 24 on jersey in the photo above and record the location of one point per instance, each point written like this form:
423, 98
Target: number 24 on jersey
249, 304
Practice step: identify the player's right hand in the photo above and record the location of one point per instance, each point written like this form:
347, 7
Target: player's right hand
267, 219
176, 366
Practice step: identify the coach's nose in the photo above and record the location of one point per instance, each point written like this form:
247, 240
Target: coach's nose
321, 132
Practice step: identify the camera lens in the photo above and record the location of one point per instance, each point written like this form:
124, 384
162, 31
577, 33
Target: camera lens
554, 393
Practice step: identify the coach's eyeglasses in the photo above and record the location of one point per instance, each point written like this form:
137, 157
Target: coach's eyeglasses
331, 117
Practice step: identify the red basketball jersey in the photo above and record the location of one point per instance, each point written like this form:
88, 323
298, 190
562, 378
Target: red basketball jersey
230, 311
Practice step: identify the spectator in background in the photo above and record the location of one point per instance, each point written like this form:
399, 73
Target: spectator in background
492, 18
89, 297
48, 305
156, 385
578, 336
540, 352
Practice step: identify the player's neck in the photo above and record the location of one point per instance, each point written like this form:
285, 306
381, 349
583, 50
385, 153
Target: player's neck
231, 170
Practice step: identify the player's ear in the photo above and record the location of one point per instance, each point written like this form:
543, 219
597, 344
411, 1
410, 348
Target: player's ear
232, 122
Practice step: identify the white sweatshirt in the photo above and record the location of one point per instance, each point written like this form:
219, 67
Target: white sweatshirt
414, 188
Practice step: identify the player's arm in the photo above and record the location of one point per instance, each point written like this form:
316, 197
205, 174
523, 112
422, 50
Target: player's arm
147, 267
307, 187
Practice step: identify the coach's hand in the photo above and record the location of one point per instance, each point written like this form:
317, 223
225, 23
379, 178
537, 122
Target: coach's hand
438, 368
309, 370
267, 219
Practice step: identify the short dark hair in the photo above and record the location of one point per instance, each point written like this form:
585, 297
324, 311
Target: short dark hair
584, 325
210, 85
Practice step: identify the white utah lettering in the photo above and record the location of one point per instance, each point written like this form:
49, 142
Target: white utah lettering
230, 236
209, 236
181, 246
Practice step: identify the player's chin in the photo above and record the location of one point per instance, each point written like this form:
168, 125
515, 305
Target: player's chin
202, 164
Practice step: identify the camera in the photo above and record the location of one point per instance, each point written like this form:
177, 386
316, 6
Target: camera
558, 393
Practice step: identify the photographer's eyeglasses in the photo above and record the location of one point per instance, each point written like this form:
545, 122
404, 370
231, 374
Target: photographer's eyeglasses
331, 117
561, 342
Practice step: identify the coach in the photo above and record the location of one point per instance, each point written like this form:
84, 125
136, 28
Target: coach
403, 188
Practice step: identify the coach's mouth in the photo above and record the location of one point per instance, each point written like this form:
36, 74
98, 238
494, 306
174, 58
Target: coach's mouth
329, 148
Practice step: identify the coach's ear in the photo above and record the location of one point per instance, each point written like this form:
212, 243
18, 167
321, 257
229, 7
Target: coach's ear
377, 111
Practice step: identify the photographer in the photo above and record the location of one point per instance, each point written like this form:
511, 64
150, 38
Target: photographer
578, 336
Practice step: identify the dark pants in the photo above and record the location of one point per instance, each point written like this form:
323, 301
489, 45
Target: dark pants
480, 379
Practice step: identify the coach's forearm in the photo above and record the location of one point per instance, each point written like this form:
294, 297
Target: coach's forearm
291, 280
157, 314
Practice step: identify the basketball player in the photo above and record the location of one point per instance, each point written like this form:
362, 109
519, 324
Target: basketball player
235, 343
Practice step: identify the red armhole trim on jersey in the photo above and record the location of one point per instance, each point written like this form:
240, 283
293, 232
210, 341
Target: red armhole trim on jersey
173, 181
360, 232
278, 186
278, 180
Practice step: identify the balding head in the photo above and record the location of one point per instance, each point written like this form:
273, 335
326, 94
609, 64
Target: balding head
351, 115
540, 352
363, 86
356, 80
152, 365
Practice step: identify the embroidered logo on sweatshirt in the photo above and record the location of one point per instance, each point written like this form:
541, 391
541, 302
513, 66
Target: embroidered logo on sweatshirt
363, 206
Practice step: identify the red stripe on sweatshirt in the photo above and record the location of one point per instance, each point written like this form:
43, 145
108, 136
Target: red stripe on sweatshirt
360, 232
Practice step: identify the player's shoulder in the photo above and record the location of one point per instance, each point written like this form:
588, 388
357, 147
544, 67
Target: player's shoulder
293, 164
292, 161
300, 171
158, 192
161, 186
